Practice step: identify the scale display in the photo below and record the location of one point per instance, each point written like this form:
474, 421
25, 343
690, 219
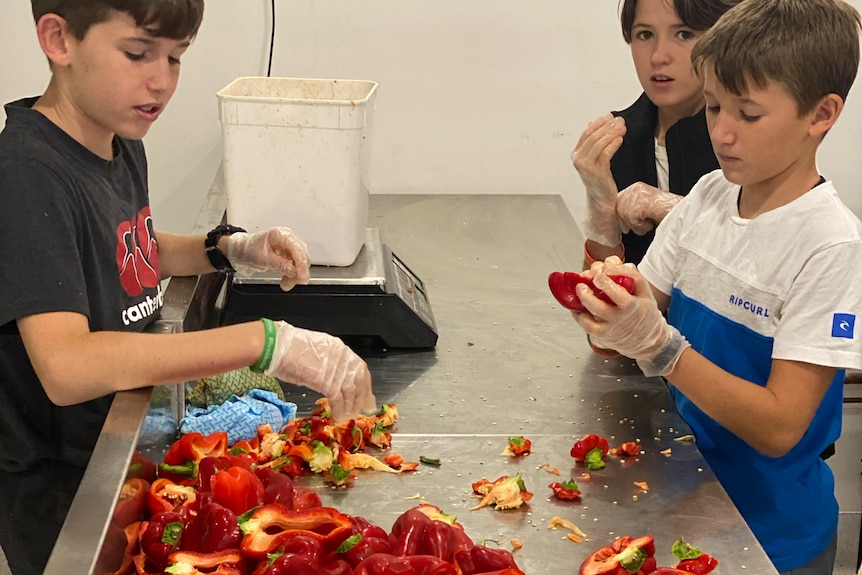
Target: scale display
376, 302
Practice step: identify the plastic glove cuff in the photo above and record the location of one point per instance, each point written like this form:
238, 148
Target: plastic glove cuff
265, 358
665, 361
591, 260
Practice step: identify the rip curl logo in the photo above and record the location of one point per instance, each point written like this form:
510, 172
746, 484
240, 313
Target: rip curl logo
843, 325
138, 254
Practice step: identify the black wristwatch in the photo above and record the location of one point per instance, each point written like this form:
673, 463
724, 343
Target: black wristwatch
217, 258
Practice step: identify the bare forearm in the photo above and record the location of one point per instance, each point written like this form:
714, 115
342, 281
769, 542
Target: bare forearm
181, 255
96, 364
771, 421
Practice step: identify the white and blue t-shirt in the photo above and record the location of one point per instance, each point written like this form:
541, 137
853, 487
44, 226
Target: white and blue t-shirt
784, 285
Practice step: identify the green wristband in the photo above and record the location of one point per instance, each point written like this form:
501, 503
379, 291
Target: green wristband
268, 347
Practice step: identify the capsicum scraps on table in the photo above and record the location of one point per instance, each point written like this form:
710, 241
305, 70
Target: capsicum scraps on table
629, 448
566, 490
504, 493
692, 559
517, 446
591, 450
563, 284
625, 556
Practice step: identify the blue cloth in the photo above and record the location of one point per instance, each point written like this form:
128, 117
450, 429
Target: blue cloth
240, 416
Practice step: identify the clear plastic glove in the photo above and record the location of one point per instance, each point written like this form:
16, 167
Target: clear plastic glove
634, 327
591, 157
325, 364
275, 249
641, 207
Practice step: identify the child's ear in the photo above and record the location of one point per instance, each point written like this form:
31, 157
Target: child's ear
53, 34
825, 114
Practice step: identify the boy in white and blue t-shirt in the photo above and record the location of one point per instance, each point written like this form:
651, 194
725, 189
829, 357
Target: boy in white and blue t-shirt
758, 270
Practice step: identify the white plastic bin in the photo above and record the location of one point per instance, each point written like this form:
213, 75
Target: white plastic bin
296, 154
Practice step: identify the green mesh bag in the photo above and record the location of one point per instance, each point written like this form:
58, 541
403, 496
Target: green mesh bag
217, 389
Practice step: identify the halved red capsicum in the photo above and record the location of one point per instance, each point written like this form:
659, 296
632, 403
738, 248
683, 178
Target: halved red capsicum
591, 449
692, 559
181, 460
625, 556
228, 562
165, 495
563, 285
271, 524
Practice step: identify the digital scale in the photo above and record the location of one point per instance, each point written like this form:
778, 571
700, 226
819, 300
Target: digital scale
377, 301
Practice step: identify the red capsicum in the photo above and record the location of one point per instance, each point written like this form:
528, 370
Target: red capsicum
131, 504
625, 556
483, 559
160, 537
142, 467
372, 539
407, 532
181, 460
304, 498
165, 495
591, 450
215, 528
563, 286
692, 559
271, 524
629, 448
298, 564
277, 487
383, 564
567, 490
237, 488
228, 562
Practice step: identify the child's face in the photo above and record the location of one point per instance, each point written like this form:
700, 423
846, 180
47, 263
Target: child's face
120, 78
661, 50
759, 135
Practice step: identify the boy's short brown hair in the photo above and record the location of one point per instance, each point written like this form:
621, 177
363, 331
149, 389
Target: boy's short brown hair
175, 19
809, 46
698, 15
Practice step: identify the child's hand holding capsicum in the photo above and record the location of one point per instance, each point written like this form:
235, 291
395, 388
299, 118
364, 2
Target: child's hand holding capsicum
634, 326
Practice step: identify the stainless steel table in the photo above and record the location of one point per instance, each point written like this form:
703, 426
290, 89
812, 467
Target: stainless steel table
509, 361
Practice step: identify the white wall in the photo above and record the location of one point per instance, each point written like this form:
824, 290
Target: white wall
476, 96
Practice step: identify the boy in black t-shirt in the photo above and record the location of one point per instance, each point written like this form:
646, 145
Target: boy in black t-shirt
82, 262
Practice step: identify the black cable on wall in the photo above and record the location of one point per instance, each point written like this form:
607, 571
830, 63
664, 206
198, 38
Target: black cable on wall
271, 38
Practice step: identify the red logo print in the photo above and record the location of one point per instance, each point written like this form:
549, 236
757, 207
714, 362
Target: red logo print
138, 254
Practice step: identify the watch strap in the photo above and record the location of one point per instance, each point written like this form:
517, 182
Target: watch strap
217, 258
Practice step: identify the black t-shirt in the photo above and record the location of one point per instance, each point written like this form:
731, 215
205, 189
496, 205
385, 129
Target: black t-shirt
76, 236
689, 156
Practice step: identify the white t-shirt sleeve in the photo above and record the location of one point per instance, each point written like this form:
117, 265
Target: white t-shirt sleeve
820, 321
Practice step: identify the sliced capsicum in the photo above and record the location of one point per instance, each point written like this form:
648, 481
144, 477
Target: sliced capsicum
271, 524
190, 563
165, 495
383, 564
518, 446
181, 460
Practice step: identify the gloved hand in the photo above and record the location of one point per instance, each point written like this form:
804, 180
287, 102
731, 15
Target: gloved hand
325, 364
274, 249
634, 327
641, 207
592, 159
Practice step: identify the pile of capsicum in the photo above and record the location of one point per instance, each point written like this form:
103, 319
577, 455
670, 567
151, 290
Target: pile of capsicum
234, 510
